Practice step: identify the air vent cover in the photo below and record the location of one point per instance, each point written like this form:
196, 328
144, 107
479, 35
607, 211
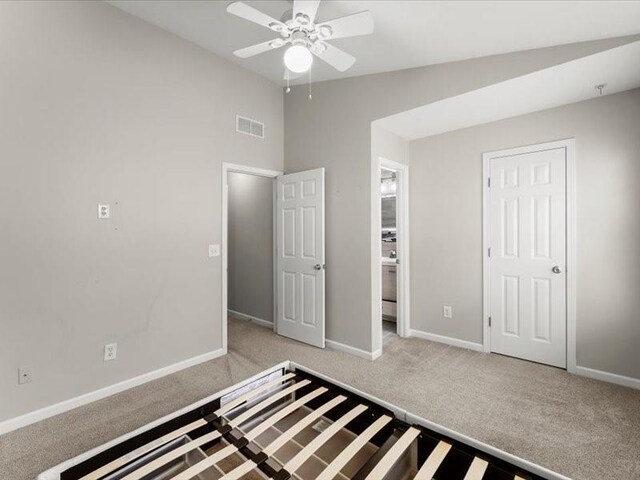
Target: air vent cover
249, 127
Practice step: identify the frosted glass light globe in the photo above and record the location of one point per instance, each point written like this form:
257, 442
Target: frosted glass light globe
298, 58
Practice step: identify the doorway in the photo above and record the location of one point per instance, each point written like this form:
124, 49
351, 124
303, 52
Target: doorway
391, 252
297, 253
389, 237
528, 233
243, 228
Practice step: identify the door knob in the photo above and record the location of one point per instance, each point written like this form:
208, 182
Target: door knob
556, 269
317, 266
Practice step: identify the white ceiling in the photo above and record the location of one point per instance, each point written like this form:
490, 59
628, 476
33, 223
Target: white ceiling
407, 33
569, 82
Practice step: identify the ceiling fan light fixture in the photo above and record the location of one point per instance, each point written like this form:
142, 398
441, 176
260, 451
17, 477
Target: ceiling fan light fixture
298, 58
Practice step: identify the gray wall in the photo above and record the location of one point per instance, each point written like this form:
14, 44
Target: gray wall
334, 131
250, 207
98, 106
446, 225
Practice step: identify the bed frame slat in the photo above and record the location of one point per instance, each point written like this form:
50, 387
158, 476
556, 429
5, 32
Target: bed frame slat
433, 461
302, 456
274, 446
172, 455
477, 469
354, 447
280, 414
240, 419
119, 462
394, 453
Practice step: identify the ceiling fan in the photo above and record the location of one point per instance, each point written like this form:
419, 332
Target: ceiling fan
305, 38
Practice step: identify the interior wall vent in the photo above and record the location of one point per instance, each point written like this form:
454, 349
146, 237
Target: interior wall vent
249, 127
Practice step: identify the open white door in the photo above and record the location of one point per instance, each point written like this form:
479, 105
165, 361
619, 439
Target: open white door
300, 268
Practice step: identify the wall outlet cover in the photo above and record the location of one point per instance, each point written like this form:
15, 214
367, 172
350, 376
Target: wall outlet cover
214, 250
447, 311
110, 351
104, 211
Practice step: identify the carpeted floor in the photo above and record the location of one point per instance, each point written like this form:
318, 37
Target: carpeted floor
582, 428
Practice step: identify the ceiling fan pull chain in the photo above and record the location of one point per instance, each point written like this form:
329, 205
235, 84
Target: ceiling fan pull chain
286, 74
309, 84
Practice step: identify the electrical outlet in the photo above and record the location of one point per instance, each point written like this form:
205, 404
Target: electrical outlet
110, 351
104, 211
214, 250
25, 375
447, 311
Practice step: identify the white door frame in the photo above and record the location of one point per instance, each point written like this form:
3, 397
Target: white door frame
569, 146
260, 172
402, 247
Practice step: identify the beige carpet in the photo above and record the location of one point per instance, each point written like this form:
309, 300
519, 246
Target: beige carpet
581, 428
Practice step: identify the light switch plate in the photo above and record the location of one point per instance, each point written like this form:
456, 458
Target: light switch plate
214, 250
447, 311
104, 211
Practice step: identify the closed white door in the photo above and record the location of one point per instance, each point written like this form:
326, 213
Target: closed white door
527, 198
300, 265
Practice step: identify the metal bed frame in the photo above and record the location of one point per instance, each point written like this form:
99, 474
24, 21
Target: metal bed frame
292, 422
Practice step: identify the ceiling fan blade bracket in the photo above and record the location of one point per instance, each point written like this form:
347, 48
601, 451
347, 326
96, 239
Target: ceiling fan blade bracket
308, 8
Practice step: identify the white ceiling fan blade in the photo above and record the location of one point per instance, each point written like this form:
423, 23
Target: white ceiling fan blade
337, 58
350, 25
255, 49
308, 7
243, 10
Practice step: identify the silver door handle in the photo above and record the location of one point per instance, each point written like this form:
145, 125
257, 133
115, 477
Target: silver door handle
317, 266
556, 269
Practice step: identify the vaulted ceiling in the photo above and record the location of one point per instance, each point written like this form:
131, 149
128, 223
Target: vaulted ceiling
407, 33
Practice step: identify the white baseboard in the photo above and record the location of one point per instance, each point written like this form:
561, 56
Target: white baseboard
66, 405
608, 377
341, 347
455, 342
251, 318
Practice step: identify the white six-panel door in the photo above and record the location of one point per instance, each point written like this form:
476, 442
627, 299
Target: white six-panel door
300, 268
527, 209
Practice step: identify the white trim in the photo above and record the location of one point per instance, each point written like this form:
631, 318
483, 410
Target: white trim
70, 404
572, 254
251, 318
454, 342
608, 377
341, 347
403, 266
236, 168
569, 146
